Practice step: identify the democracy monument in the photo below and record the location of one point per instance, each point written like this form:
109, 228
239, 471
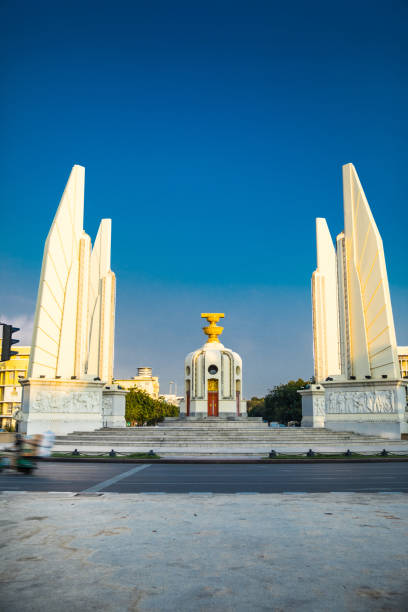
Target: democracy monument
358, 389
358, 382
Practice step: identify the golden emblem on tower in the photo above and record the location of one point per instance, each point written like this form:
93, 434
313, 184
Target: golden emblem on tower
212, 330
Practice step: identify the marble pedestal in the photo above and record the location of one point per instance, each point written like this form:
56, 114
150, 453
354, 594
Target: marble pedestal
313, 403
226, 408
370, 407
113, 406
61, 405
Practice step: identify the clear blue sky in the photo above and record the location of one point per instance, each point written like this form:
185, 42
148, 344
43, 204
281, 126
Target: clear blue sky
212, 134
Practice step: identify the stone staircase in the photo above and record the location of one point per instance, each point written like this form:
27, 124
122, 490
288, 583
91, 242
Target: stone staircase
226, 438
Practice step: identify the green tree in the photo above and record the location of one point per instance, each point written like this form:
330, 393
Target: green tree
283, 403
255, 406
142, 408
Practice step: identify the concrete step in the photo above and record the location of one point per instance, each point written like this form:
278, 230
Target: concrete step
298, 432
230, 443
169, 430
189, 441
151, 436
215, 438
227, 438
160, 443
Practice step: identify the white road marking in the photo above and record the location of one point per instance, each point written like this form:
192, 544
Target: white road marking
111, 481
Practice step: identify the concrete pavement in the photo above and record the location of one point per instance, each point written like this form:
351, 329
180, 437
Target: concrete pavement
146, 552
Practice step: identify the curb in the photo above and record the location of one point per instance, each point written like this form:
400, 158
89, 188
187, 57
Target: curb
220, 461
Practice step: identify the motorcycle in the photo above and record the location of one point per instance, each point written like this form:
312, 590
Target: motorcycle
21, 463
22, 457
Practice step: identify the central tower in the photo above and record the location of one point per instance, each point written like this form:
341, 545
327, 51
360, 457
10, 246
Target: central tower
213, 377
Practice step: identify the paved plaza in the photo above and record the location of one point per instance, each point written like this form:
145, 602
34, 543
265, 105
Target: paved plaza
238, 552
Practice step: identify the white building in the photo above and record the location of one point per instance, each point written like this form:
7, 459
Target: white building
144, 381
213, 378
403, 360
173, 399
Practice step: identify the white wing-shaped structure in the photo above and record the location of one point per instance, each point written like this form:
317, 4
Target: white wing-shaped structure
353, 326
72, 348
59, 316
372, 342
101, 308
75, 312
325, 306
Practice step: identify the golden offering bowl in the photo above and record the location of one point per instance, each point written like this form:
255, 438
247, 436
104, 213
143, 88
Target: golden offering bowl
212, 330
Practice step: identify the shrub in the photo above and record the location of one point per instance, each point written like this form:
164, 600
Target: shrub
142, 409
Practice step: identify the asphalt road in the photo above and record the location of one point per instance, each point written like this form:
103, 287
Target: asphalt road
210, 478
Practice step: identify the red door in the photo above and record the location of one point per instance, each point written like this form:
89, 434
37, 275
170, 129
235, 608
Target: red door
212, 403
238, 406
188, 403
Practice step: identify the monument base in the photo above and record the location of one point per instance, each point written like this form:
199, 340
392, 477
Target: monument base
313, 401
226, 408
372, 407
61, 405
113, 406
390, 430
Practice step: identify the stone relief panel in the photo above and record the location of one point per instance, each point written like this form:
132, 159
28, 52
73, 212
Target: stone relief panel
319, 406
107, 406
360, 402
63, 401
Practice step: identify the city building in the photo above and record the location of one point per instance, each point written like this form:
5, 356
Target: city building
11, 372
144, 381
403, 360
171, 398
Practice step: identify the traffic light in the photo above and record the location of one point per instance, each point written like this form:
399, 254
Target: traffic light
8, 341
